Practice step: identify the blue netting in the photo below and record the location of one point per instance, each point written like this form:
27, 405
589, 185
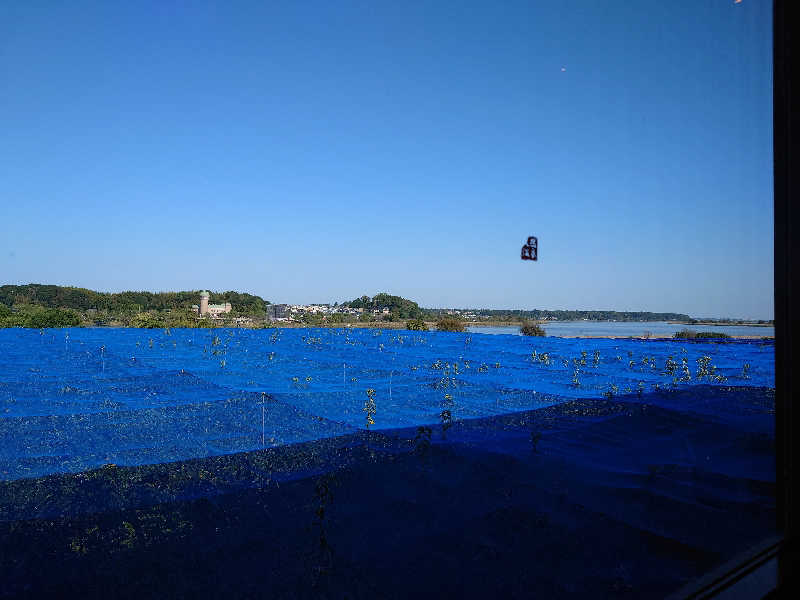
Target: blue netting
72, 399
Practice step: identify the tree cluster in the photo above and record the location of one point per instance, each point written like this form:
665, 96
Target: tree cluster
399, 308
124, 303
38, 317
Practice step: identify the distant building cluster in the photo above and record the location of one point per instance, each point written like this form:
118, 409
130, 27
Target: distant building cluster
212, 310
324, 309
288, 312
465, 314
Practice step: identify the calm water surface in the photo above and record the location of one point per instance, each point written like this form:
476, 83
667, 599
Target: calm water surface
656, 328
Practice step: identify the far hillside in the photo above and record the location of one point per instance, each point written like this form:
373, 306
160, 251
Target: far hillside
56, 296
37, 305
399, 307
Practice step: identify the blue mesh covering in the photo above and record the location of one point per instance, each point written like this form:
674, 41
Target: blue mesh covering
73, 399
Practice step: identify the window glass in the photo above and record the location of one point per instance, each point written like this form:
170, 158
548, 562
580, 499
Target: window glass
384, 299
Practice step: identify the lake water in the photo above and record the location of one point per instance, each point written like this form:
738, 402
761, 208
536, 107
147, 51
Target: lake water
659, 329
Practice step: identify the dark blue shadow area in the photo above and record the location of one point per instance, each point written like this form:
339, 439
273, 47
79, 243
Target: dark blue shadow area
150, 464
631, 495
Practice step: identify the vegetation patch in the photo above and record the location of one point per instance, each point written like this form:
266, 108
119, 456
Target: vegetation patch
688, 334
528, 328
450, 323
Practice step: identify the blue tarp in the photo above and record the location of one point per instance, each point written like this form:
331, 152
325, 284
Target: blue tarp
72, 399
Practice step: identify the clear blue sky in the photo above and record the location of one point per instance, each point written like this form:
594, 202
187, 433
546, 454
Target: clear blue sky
318, 151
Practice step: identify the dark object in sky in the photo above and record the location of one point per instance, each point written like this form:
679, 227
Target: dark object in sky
530, 251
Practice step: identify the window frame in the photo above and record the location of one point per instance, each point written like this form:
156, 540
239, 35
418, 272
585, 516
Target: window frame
783, 547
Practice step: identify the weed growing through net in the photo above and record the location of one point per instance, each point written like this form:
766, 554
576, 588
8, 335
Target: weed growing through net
446, 418
322, 552
686, 374
703, 364
370, 408
422, 441
612, 391
534, 439
670, 366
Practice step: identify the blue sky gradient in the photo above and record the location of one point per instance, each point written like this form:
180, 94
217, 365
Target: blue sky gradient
317, 151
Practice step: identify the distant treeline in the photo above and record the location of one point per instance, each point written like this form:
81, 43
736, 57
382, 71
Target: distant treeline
37, 305
399, 308
564, 315
38, 317
80, 299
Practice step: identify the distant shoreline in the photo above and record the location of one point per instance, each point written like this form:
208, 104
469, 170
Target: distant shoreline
720, 324
400, 325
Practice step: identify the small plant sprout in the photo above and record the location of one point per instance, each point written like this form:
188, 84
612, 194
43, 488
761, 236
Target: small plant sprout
534, 356
703, 367
422, 441
596, 358
447, 420
640, 389
686, 373
575, 381
324, 498
370, 408
670, 366
535, 437
583, 358
150, 343
612, 391
216, 341
746, 371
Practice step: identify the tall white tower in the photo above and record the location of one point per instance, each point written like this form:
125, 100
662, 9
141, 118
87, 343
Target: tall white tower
204, 302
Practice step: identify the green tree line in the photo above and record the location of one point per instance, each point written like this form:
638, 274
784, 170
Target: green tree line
80, 299
399, 307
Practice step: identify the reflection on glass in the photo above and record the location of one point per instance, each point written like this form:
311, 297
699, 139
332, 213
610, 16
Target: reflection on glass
265, 421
